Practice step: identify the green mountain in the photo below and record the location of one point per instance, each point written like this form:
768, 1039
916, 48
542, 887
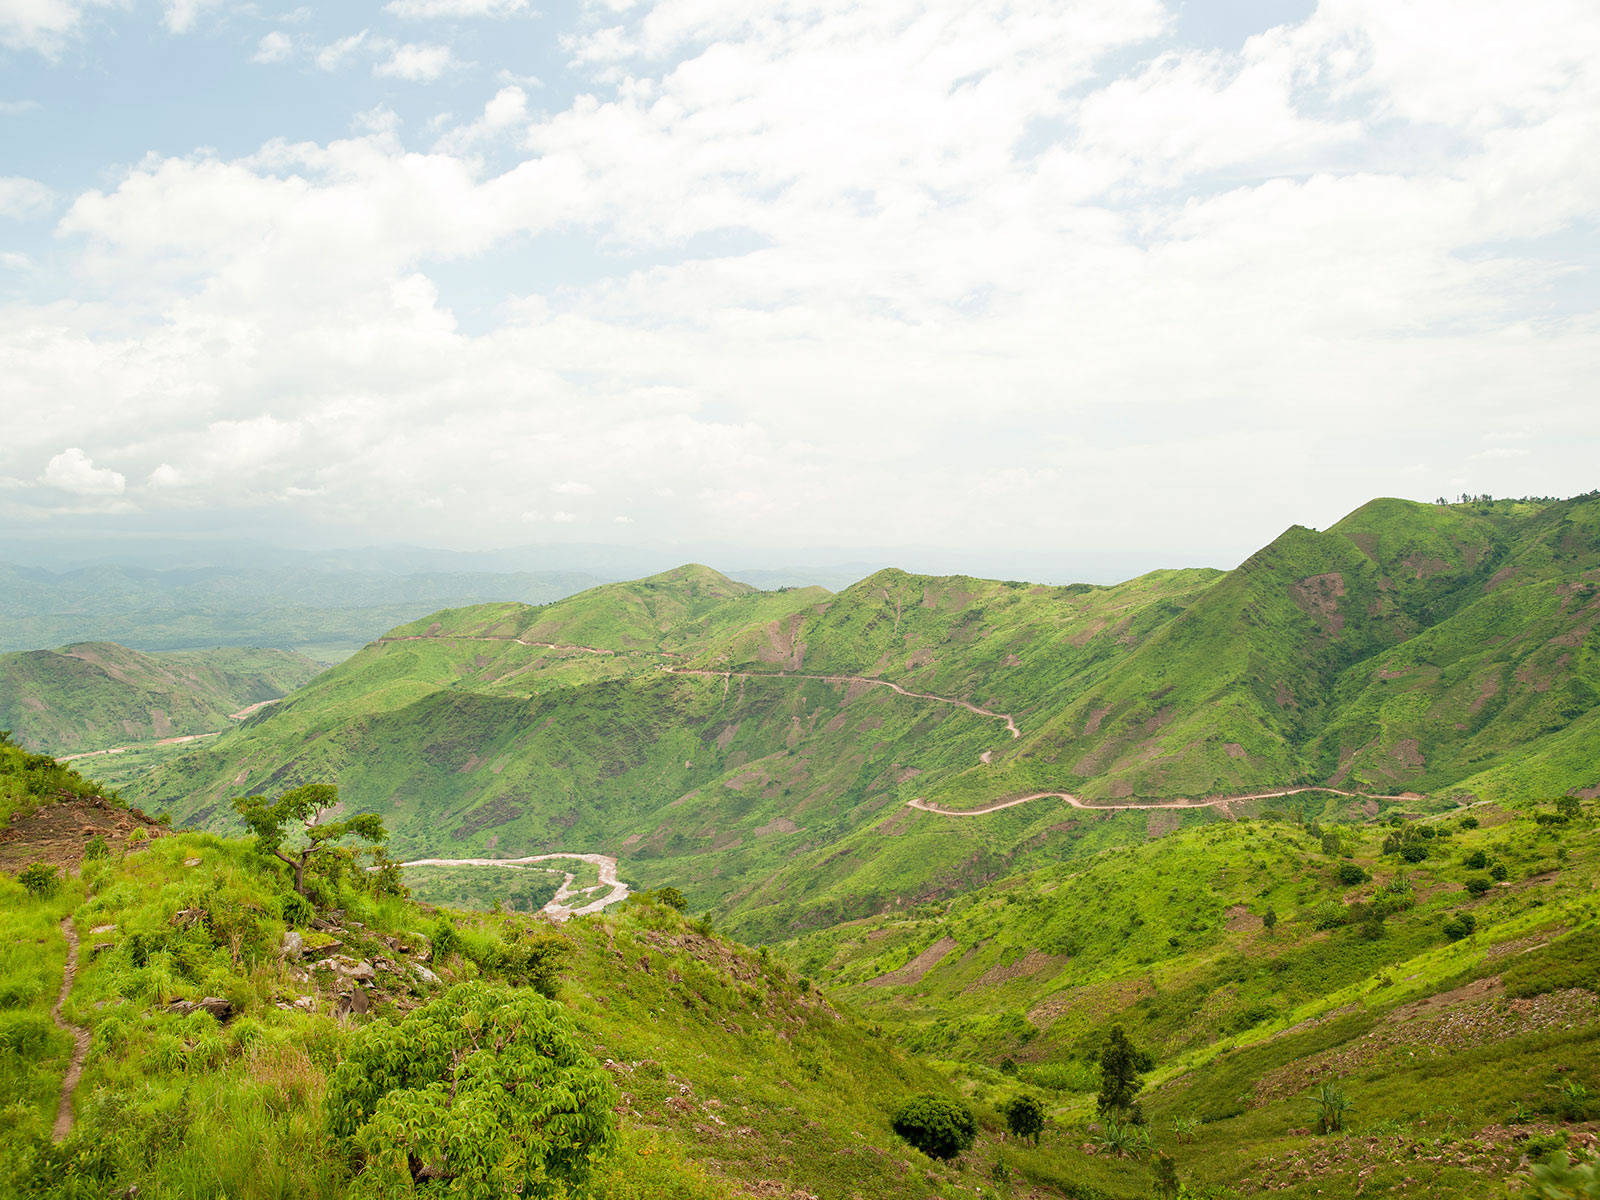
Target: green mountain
747, 746
95, 695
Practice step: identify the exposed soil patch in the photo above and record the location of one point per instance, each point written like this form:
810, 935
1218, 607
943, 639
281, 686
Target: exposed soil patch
1030, 965
1241, 919
919, 966
57, 833
776, 825
1319, 596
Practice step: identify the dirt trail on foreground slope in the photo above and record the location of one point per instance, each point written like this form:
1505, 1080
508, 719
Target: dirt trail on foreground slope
80, 1037
1079, 802
557, 910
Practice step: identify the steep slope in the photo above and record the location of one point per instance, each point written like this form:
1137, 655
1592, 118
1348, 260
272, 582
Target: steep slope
93, 695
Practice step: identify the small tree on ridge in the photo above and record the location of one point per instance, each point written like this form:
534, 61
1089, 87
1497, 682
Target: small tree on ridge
270, 821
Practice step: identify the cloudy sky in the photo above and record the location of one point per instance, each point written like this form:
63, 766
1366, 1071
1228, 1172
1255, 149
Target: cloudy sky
1046, 277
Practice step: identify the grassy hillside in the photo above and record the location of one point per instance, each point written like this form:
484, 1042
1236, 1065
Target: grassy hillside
94, 695
1456, 1047
746, 746
729, 1075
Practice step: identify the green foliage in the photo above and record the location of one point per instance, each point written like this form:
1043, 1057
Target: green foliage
1120, 1068
482, 1093
671, 897
1477, 885
1566, 1179
1476, 860
1459, 925
1330, 1108
1572, 961
1122, 1138
936, 1125
316, 843
39, 879
1025, 1117
1350, 875
1164, 1177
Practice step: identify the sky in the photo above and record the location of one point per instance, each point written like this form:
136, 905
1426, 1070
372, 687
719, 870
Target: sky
1053, 281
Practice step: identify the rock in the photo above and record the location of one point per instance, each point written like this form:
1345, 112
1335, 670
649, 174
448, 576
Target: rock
102, 947
104, 929
422, 973
355, 1002
219, 1008
293, 945
306, 1003
191, 862
190, 916
346, 968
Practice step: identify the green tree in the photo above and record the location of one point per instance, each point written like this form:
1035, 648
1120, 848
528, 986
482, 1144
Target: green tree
671, 897
1165, 1183
939, 1127
481, 1094
1024, 1117
1270, 918
1120, 1068
1568, 807
318, 840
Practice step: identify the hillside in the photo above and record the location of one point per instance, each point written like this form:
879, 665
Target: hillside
215, 1008
95, 695
758, 749
209, 1009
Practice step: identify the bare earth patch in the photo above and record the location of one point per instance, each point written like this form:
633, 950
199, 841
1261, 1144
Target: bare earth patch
919, 966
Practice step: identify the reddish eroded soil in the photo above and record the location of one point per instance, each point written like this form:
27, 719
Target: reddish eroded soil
57, 833
919, 966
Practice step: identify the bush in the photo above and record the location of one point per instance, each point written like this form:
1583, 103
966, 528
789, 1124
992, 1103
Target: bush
1350, 874
1477, 885
939, 1127
40, 879
1024, 1117
1330, 1107
95, 848
1459, 926
1413, 852
1476, 861
1498, 872
485, 1088
1469, 822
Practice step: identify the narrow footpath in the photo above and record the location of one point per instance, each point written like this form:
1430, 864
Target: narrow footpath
80, 1036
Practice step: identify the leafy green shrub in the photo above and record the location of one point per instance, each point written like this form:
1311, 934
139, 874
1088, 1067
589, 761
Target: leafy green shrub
1459, 925
1476, 861
1498, 872
39, 879
1469, 822
939, 1127
1330, 914
1567, 1180
1350, 874
485, 1089
1413, 852
671, 897
1164, 1182
1330, 1107
1477, 885
1024, 1117
1574, 1101
1122, 1139
95, 848
445, 938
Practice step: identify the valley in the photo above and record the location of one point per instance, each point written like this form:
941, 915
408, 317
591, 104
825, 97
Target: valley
1324, 821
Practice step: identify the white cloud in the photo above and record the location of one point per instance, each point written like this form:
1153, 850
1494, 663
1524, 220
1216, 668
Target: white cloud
180, 15
21, 199
274, 47
426, 9
334, 55
12, 108
416, 63
46, 26
973, 273
74, 471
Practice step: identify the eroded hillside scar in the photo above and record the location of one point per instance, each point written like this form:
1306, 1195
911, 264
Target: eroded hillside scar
80, 1036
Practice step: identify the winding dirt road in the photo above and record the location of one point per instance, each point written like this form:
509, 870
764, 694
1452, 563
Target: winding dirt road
80, 1036
1077, 802
557, 910
1011, 725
